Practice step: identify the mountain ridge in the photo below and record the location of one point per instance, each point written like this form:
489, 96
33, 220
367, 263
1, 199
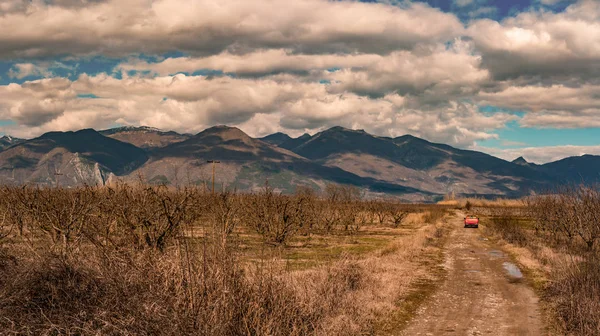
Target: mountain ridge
84, 157
405, 166
144, 137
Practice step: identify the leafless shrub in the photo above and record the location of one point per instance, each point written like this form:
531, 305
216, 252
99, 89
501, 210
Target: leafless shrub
58, 213
5, 229
276, 217
341, 209
380, 211
15, 204
434, 215
506, 224
139, 259
226, 211
398, 213
153, 215
342, 193
313, 210
569, 215
575, 295
567, 220
165, 293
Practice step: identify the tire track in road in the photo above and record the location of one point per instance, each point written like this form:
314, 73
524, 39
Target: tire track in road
483, 293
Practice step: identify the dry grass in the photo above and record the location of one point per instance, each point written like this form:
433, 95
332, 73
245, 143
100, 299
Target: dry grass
465, 203
152, 260
555, 240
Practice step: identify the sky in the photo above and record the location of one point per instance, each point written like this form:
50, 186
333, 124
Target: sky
507, 77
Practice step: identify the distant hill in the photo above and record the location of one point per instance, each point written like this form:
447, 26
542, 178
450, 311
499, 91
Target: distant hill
417, 163
247, 163
292, 143
224, 143
144, 137
7, 141
276, 138
407, 167
84, 156
575, 169
520, 161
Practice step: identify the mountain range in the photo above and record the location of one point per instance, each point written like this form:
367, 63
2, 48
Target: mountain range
405, 167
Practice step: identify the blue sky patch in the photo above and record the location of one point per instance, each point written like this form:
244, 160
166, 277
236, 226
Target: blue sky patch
493, 9
515, 136
87, 96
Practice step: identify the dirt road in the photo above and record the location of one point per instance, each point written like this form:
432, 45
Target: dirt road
483, 294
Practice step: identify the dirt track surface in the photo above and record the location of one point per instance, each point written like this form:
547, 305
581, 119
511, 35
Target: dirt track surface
479, 295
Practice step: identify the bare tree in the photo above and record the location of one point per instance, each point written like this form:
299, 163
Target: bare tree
397, 213
276, 217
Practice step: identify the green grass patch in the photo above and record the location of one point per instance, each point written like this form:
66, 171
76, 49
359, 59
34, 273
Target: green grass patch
303, 252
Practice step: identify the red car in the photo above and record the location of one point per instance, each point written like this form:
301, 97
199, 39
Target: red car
472, 221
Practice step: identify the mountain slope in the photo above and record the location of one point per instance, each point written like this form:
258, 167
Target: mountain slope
478, 161
247, 163
84, 156
338, 140
520, 161
144, 137
409, 166
417, 163
293, 143
276, 138
7, 141
575, 169
224, 143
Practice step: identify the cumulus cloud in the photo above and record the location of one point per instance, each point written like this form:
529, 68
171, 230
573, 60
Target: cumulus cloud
556, 106
391, 68
257, 63
563, 119
192, 103
35, 103
132, 26
551, 2
538, 98
37, 69
540, 44
22, 70
438, 72
437, 75
540, 155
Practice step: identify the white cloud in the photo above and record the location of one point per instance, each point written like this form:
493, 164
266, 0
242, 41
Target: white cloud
192, 103
550, 106
539, 98
22, 70
437, 72
484, 11
550, 2
436, 75
542, 44
37, 69
562, 119
118, 27
260, 62
400, 66
540, 155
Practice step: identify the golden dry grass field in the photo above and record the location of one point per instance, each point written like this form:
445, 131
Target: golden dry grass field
137, 259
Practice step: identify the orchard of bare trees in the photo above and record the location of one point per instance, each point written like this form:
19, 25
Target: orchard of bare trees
562, 230
134, 258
